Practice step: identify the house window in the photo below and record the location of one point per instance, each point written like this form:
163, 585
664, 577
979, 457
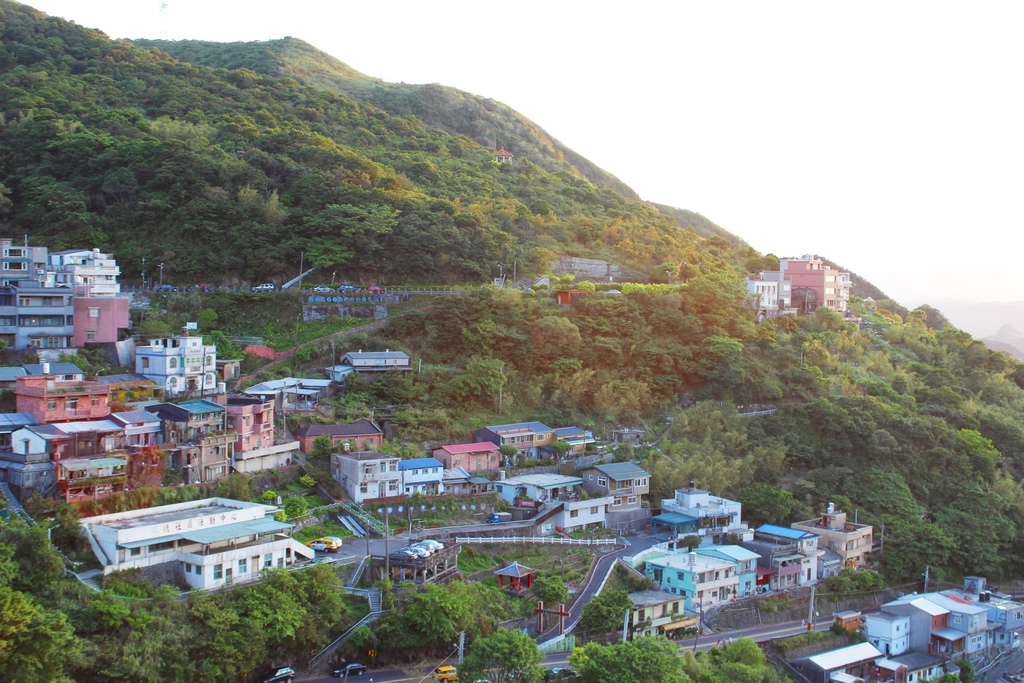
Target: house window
95, 401
173, 364
268, 561
591, 476
209, 360
243, 566
145, 363
218, 572
73, 403
617, 502
593, 510
90, 335
94, 312
199, 570
601, 481
631, 499
51, 404
135, 552
574, 513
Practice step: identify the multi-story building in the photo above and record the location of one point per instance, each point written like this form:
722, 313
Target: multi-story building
37, 317
205, 543
626, 482
86, 270
19, 263
527, 437
198, 441
657, 613
367, 474
695, 511
851, 541
100, 319
180, 365
967, 625
815, 284
926, 618
141, 428
888, 631
535, 489
472, 457
570, 515
422, 475
60, 394
252, 418
771, 293
702, 580
745, 561
574, 436
788, 557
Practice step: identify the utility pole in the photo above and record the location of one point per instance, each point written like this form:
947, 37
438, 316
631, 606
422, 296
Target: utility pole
881, 547
625, 625
387, 549
810, 612
161, 275
700, 624
462, 645
926, 578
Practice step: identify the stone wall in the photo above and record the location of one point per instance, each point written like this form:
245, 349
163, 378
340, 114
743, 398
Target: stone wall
593, 269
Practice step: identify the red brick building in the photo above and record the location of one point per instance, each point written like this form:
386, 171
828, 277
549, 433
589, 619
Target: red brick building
67, 397
361, 434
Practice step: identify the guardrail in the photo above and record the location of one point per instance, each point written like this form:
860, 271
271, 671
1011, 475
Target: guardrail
554, 540
317, 661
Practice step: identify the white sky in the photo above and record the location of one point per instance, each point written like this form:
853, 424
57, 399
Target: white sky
884, 136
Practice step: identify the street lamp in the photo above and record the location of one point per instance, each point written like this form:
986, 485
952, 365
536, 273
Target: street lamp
161, 275
143, 272
501, 273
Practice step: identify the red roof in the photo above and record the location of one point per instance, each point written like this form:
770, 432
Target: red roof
504, 153
469, 447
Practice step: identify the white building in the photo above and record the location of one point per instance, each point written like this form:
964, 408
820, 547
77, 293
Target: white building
577, 514
206, 542
422, 475
180, 365
367, 474
711, 517
85, 268
889, 632
376, 361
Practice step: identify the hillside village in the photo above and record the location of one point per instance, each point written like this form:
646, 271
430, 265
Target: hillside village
83, 439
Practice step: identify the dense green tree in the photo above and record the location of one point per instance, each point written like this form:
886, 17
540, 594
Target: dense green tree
505, 655
605, 612
652, 659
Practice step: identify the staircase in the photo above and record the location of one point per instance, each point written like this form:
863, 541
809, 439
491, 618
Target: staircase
89, 579
634, 572
14, 505
375, 613
357, 573
368, 521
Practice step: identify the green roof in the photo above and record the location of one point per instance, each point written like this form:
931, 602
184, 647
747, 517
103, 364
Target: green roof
216, 533
81, 464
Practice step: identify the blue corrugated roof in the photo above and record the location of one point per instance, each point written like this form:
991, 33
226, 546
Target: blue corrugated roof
9, 374
417, 463
532, 426
200, 405
785, 532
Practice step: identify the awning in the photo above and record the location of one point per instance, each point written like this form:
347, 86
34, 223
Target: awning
765, 571
787, 558
889, 665
215, 533
81, 464
950, 634
676, 520
682, 623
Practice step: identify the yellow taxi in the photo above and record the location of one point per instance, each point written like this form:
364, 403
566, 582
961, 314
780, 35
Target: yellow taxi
446, 673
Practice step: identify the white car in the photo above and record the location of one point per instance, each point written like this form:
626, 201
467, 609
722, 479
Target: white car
322, 289
265, 287
431, 544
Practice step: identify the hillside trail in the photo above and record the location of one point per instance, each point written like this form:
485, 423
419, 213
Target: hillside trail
287, 355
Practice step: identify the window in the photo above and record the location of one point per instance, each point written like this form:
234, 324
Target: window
90, 335
135, 552
593, 509
157, 547
632, 500
601, 481
574, 513
145, 363
173, 364
94, 312
268, 561
73, 403
199, 570
218, 572
616, 502
591, 476
243, 566
51, 404
209, 360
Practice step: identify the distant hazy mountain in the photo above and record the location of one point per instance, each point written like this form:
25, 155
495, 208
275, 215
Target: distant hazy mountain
981, 319
1008, 339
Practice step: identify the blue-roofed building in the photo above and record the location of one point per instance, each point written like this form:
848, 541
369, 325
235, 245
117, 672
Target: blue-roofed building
527, 437
9, 376
205, 543
788, 557
575, 437
422, 475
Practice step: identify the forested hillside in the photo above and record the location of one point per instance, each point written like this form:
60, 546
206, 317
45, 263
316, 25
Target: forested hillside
457, 112
231, 174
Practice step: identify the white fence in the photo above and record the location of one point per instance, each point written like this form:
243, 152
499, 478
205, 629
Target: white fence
555, 540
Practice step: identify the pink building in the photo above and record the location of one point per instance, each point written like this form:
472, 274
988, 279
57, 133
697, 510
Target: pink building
472, 457
53, 398
815, 284
99, 318
253, 418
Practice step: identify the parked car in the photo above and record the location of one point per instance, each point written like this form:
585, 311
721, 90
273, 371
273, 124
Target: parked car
417, 551
446, 673
265, 287
322, 289
165, 288
330, 544
350, 669
560, 673
281, 675
404, 554
423, 546
375, 289
435, 545
346, 287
